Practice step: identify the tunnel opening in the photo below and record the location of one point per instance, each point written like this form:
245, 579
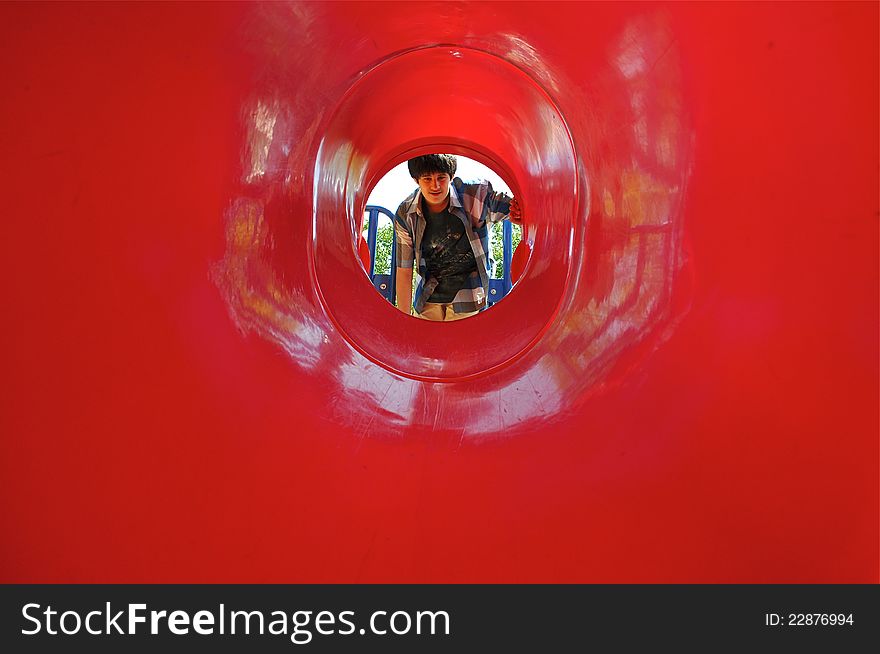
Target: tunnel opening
520, 135
378, 248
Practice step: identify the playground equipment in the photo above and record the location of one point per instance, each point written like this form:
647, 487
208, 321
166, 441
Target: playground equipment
384, 282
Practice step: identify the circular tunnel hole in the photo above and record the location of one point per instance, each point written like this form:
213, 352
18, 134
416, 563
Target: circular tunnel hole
378, 243
463, 102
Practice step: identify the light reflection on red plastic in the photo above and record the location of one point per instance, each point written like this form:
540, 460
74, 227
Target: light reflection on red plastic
202, 386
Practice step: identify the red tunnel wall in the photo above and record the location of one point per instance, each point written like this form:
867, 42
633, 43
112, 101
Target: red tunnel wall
687, 387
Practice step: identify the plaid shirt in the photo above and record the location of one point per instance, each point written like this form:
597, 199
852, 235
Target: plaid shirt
476, 205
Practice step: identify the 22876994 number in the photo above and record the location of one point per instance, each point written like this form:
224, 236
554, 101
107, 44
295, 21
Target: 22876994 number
819, 619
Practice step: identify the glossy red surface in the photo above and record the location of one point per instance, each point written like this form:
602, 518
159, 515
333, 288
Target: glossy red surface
200, 384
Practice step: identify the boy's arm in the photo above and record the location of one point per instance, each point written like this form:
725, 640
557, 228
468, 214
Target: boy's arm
403, 289
404, 261
502, 206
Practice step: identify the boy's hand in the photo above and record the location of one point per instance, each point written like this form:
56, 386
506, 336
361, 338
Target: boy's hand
515, 212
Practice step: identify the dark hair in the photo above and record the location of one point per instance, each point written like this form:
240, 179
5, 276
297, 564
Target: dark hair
432, 163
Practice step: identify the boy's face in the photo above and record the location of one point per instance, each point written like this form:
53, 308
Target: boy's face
435, 189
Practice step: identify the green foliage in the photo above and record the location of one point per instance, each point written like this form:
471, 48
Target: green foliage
497, 246
384, 237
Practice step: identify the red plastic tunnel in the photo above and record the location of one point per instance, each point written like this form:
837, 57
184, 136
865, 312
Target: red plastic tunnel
201, 385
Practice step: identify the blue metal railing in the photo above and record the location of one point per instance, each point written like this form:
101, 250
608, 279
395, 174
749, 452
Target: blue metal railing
384, 283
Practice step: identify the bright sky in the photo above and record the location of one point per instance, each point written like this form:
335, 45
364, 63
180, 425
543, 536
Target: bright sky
397, 184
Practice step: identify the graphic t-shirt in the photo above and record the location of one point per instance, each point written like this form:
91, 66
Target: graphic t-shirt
448, 254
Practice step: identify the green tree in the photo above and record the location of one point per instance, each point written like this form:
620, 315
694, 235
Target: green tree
384, 236
497, 247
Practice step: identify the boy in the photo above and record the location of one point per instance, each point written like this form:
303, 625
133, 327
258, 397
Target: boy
443, 229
